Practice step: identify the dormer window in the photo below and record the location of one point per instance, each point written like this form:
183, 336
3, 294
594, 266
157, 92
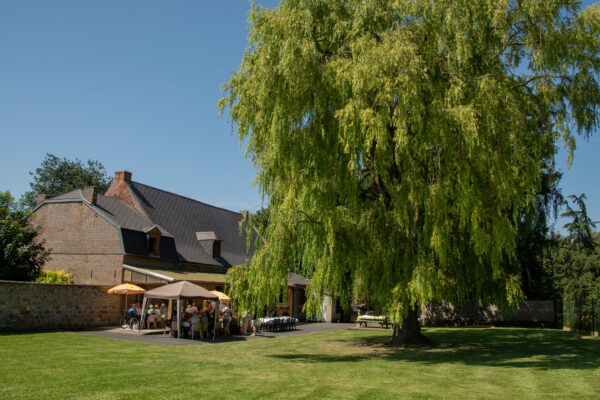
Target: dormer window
153, 236
216, 249
153, 246
210, 242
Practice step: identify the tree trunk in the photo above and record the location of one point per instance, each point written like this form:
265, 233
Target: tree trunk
410, 331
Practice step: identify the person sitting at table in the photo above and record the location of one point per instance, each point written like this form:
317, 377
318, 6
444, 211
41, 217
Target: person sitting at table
189, 310
195, 323
132, 311
150, 310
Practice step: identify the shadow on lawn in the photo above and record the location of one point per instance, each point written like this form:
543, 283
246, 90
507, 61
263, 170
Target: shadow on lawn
517, 348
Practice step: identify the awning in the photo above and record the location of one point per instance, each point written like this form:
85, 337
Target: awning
159, 275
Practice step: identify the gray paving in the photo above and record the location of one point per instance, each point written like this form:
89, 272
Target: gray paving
158, 338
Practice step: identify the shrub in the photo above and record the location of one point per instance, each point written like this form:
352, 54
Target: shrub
55, 277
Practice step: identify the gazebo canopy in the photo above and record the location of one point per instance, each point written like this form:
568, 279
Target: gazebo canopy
180, 290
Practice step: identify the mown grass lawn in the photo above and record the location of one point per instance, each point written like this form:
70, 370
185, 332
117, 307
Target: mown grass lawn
467, 364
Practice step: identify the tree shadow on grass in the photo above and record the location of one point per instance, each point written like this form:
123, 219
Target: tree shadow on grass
319, 358
516, 348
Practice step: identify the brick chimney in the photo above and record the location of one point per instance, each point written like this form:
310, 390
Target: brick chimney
41, 197
90, 193
122, 176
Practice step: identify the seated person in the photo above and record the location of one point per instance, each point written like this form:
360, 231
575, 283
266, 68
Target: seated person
132, 311
195, 323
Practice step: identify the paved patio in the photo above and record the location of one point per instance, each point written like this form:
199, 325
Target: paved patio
159, 338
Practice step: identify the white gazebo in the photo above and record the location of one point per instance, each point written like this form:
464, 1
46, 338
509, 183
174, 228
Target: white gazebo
178, 291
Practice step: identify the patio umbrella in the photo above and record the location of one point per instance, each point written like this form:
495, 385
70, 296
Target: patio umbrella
126, 288
222, 296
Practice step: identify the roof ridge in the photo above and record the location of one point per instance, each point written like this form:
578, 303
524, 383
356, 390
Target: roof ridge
188, 198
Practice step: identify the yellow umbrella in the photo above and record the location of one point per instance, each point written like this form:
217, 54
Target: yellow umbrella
126, 288
222, 296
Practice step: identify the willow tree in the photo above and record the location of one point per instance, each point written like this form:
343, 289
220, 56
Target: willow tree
399, 141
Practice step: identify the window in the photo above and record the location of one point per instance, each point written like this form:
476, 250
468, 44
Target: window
152, 246
154, 242
216, 249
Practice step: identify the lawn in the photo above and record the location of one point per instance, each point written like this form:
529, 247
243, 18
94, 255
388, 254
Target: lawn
466, 364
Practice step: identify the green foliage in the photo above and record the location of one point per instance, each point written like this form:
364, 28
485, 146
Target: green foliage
21, 256
399, 141
576, 261
56, 176
534, 239
61, 276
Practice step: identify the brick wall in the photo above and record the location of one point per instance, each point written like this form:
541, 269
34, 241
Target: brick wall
28, 306
81, 243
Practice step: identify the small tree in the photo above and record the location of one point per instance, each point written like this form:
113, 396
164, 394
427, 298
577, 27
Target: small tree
57, 175
21, 256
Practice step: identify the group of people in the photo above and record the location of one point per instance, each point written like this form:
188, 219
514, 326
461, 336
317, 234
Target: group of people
158, 311
203, 320
199, 320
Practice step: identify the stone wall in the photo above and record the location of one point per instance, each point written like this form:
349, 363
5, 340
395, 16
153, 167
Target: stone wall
530, 313
28, 306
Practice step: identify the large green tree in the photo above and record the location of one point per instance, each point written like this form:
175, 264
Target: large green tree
400, 141
21, 256
56, 176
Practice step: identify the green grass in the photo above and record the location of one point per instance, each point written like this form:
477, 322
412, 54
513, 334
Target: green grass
467, 364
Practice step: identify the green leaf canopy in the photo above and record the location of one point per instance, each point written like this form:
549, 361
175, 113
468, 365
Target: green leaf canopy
397, 141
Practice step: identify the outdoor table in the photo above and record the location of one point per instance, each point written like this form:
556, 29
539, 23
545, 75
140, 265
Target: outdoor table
363, 320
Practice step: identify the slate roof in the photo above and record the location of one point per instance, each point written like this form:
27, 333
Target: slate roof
184, 223
184, 218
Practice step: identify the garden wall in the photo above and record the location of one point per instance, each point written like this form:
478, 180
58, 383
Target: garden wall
530, 313
29, 306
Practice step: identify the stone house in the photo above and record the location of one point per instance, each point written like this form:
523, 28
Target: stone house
140, 234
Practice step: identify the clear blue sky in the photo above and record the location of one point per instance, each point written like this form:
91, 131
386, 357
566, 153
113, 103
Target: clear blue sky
135, 84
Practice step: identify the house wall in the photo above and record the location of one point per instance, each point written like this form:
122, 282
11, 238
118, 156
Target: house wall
81, 243
30, 306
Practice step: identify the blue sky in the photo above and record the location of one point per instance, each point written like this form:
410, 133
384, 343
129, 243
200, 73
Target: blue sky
135, 84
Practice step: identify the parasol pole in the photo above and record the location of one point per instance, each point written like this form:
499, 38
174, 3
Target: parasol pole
142, 316
216, 315
178, 318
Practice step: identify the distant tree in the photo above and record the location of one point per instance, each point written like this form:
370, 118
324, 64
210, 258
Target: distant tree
21, 256
576, 262
57, 175
535, 239
399, 142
